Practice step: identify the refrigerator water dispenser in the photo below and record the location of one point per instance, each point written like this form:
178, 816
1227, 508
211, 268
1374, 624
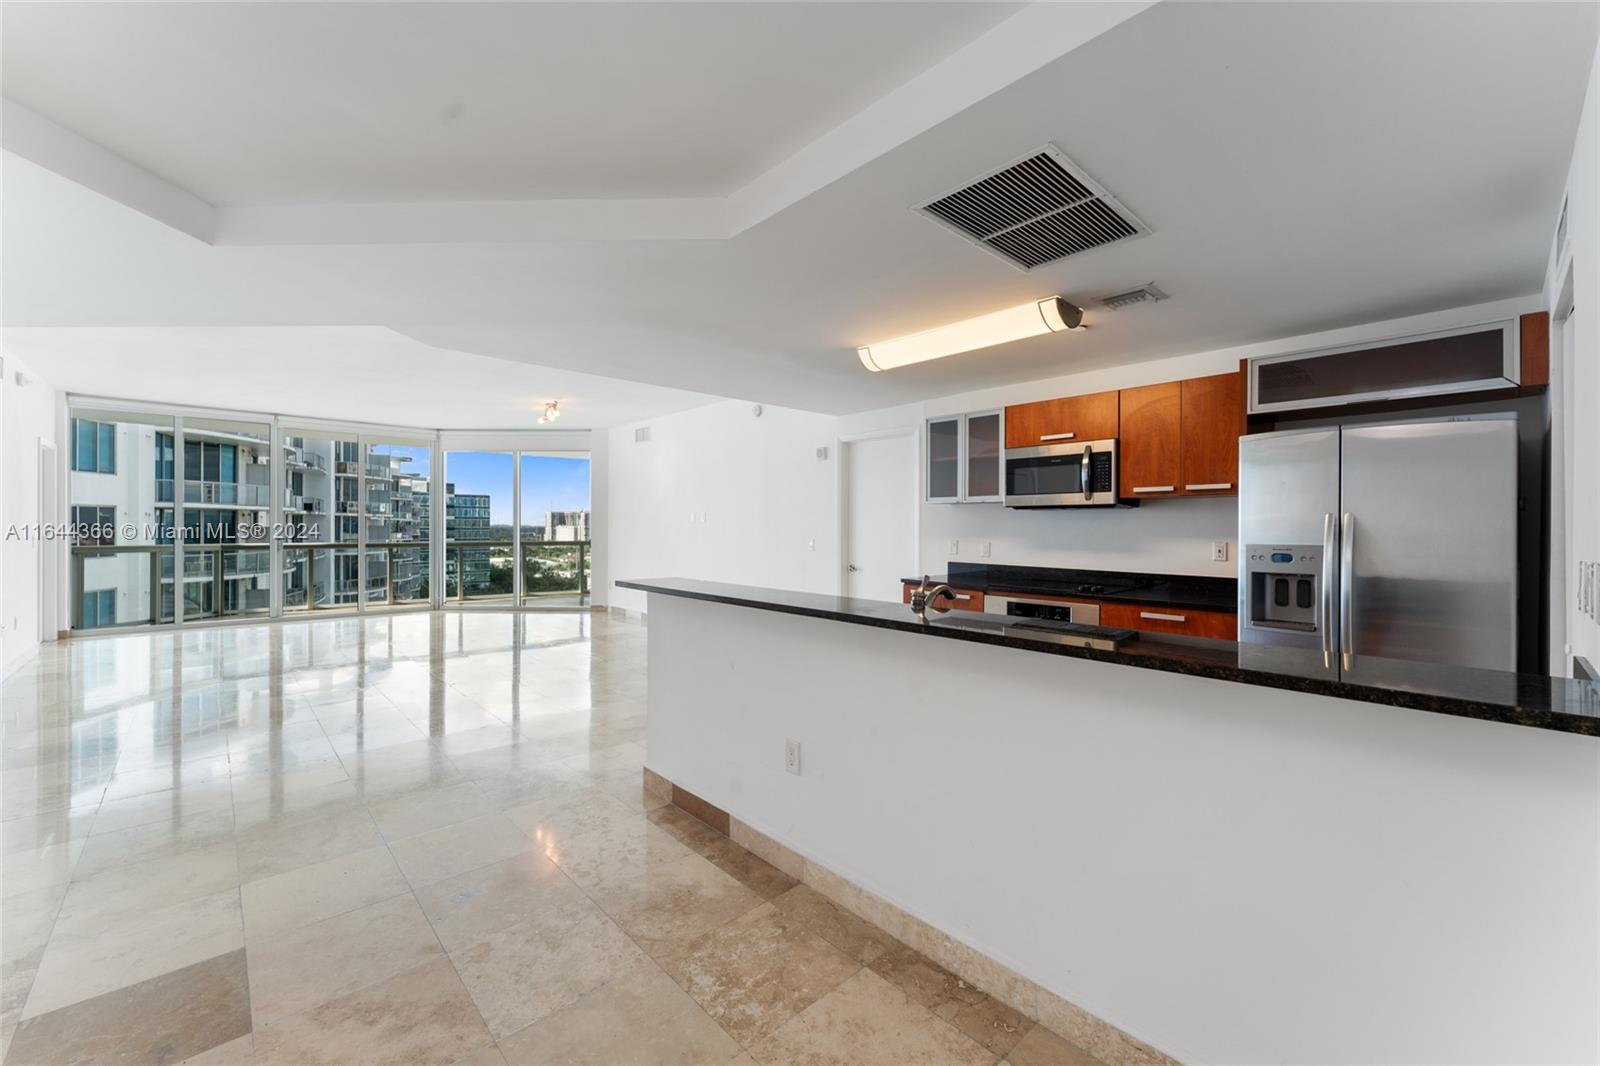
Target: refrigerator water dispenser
1284, 585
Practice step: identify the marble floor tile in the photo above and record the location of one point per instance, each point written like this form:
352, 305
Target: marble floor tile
663, 1026
523, 972
1041, 1047
156, 840
299, 968
236, 1052
410, 814
743, 865
120, 894
457, 848
42, 830
36, 868
865, 1022
573, 814
423, 1015
467, 907
173, 808
856, 937
665, 907
613, 854
321, 890
759, 970
166, 1019
79, 964
274, 848
305, 804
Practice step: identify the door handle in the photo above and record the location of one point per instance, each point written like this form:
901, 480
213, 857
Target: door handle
1347, 583
1057, 436
1085, 474
1326, 606
853, 568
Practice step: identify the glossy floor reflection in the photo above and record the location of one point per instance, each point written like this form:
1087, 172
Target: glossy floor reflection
412, 838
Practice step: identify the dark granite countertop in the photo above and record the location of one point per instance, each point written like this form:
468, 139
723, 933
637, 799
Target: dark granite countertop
1532, 700
1147, 590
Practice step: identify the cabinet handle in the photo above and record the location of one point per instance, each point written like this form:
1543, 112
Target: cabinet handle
1156, 616
1057, 436
1154, 488
1213, 485
961, 596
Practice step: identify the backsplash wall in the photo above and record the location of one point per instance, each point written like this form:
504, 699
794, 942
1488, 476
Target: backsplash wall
1165, 536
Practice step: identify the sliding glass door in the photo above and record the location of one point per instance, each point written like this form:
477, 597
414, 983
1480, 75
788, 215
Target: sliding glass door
555, 544
479, 540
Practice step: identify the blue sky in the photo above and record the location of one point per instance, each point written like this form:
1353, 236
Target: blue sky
549, 482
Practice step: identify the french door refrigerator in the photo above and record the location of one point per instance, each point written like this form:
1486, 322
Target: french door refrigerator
1395, 541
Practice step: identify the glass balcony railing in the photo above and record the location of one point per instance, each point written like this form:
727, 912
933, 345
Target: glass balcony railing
556, 572
225, 492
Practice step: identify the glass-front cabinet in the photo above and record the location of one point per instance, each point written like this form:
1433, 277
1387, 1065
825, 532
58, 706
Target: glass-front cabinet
966, 458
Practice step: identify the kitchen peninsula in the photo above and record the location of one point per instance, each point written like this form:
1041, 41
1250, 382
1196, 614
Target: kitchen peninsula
1184, 835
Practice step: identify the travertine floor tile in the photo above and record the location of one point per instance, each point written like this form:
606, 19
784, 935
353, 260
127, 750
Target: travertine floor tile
421, 1015
762, 878
663, 1025
275, 848
1041, 1047
833, 923
758, 971
412, 813
521, 973
162, 1020
468, 907
864, 1022
665, 907
79, 965
455, 849
311, 893
300, 968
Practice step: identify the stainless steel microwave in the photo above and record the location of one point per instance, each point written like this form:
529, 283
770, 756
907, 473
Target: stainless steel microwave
1070, 474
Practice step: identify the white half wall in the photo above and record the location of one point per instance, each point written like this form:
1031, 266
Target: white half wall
1230, 873
27, 416
720, 493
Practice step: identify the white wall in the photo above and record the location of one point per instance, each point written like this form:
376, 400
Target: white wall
29, 416
1231, 873
1576, 372
718, 493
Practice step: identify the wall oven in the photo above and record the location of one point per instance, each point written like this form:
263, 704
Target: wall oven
1070, 474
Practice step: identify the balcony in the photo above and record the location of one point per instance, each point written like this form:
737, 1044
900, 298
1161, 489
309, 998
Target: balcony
225, 494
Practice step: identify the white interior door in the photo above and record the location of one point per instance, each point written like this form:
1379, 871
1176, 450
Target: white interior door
880, 515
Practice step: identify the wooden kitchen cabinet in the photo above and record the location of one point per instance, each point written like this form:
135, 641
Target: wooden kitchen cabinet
1213, 421
1060, 421
1151, 438
1217, 625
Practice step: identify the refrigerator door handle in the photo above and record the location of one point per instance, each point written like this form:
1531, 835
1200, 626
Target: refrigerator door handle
1326, 620
1347, 581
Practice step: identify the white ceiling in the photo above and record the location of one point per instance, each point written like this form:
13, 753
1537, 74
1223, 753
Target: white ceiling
391, 102
1302, 166
354, 373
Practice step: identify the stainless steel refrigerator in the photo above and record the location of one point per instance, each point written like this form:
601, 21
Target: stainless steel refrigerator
1397, 541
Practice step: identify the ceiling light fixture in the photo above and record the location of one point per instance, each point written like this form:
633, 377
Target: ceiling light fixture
551, 412
1050, 315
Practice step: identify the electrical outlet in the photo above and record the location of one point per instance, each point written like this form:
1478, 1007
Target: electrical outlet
983, 550
791, 757
811, 545
955, 547
1219, 551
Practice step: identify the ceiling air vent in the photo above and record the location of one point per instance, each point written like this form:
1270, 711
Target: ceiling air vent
1036, 210
1144, 294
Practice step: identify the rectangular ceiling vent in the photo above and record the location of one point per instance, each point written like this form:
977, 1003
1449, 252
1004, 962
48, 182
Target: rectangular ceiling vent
1144, 294
1036, 210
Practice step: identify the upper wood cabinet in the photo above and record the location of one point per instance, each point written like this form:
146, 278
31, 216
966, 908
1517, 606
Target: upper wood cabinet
1085, 418
1181, 438
1151, 437
1213, 421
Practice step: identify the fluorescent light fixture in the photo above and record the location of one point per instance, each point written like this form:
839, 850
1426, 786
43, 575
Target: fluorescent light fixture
552, 411
1050, 315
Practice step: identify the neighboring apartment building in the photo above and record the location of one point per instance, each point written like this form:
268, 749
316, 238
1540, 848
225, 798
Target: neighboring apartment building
566, 525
